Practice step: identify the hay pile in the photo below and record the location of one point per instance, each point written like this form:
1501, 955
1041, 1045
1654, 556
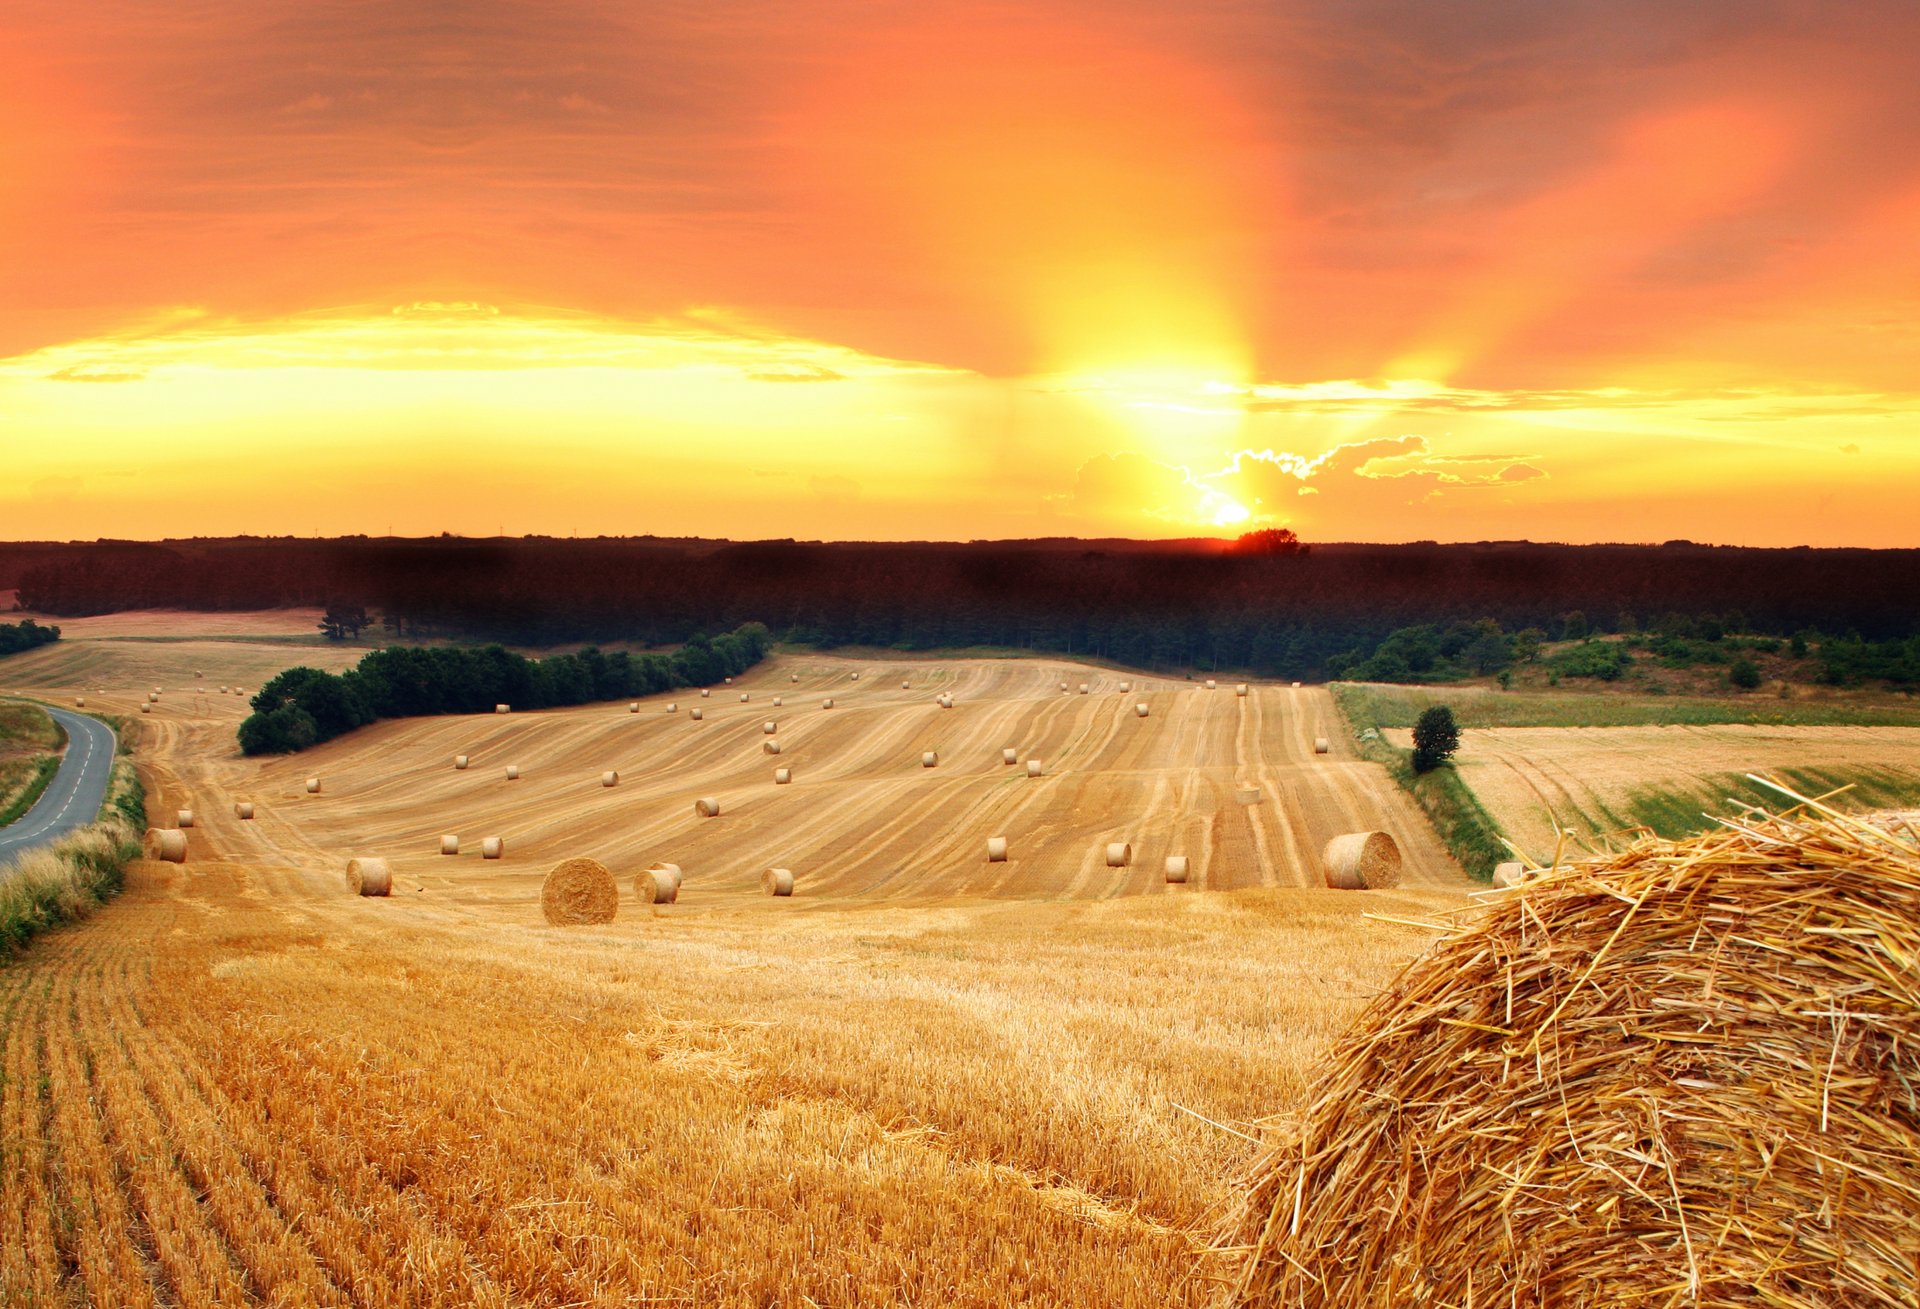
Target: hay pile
579, 891
370, 877
1686, 1074
659, 884
168, 844
777, 881
1362, 861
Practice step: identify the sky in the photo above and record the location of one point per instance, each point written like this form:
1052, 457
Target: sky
1588, 270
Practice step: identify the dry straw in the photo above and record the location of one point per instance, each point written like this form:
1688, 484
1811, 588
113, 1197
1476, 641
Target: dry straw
1176, 869
1680, 1074
1509, 874
610, 778
492, 847
707, 807
449, 844
168, 844
369, 877
777, 881
183, 818
659, 884
1119, 854
578, 892
243, 809
782, 776
1362, 861
313, 786
996, 849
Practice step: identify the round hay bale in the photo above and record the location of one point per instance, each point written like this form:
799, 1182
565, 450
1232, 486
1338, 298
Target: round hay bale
370, 876
313, 786
743, 697
1240, 689
728, 681
167, 844
1362, 861
1119, 854
579, 892
771, 747
1140, 710
928, 759
449, 844
777, 881
79, 702
707, 807
1212, 685
633, 706
461, 761
945, 701
1678, 1074
769, 728
243, 810
503, 709
794, 678
183, 818
1126, 686
153, 697
778, 701
1009, 756
197, 673
1509, 874
1321, 745
1033, 768
223, 690
1063, 686
996, 849
1177, 869
697, 713
1296, 686
659, 884
856, 677
146, 708
513, 772
672, 707
671, 871
1084, 689
782, 776
610, 778
705, 693
905, 685
493, 847
827, 703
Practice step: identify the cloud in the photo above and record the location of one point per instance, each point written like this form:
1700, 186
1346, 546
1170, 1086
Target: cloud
795, 373
96, 373
1850, 448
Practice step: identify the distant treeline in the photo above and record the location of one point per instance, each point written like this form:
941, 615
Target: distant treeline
15, 637
1166, 605
305, 706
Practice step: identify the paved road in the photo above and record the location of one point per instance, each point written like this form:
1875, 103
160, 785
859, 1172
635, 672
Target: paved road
78, 789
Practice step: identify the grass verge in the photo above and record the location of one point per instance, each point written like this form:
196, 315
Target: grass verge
1382, 705
1448, 802
68, 880
27, 796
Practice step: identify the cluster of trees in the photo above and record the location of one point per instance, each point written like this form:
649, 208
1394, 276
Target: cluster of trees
304, 706
1850, 660
25, 635
1269, 604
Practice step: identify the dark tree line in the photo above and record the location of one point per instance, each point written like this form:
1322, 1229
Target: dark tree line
25, 635
304, 706
1169, 605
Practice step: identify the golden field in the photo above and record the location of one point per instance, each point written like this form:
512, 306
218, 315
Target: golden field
924, 1079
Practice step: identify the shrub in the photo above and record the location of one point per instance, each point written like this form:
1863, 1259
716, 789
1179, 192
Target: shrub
1435, 737
1744, 674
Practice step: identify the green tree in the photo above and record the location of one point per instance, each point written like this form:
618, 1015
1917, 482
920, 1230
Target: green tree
343, 620
1435, 737
1744, 674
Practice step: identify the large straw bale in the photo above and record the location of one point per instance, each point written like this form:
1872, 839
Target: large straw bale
1240, 689
313, 786
1321, 745
513, 772
1009, 756
1176, 869
183, 818
1119, 854
146, 708
697, 713
727, 681
659, 884
493, 847
673, 707
1140, 710
794, 677
1212, 685
370, 876
782, 776
633, 706
777, 881
929, 759
1509, 874
1084, 688
743, 697
771, 747
996, 849
778, 701
79, 702
461, 761
503, 709
1362, 861
610, 778
856, 677
669, 870
905, 685
769, 727
707, 807
449, 844
827, 703
168, 844
1034, 768
578, 892
1680, 1074
243, 810
153, 697
705, 694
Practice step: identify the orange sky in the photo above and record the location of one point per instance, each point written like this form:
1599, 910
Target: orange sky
1377, 270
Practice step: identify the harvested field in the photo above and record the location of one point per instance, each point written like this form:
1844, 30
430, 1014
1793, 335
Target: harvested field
924, 1078
1603, 779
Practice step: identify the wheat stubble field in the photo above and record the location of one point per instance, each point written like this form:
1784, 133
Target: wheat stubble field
924, 1079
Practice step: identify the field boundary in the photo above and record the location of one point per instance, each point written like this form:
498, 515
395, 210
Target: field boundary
67, 881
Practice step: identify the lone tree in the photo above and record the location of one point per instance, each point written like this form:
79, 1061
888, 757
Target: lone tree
1435, 737
343, 620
